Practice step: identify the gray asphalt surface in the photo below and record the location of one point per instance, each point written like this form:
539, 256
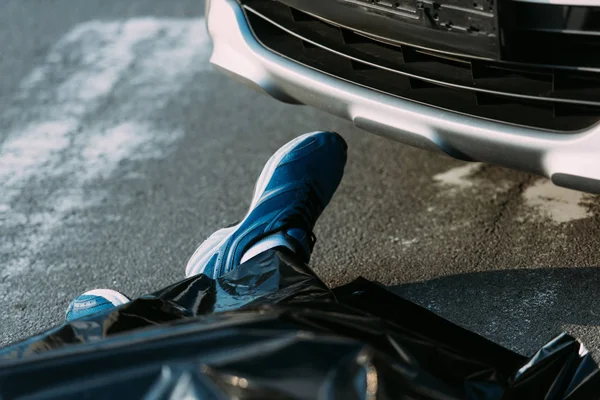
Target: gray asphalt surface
115, 186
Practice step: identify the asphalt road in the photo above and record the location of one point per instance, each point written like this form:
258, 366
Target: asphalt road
122, 150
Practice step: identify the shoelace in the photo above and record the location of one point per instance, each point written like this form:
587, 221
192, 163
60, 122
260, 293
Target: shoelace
306, 209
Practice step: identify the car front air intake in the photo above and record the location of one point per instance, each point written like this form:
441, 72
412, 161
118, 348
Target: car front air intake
561, 98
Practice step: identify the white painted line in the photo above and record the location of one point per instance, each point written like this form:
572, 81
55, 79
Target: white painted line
559, 204
543, 199
85, 110
459, 176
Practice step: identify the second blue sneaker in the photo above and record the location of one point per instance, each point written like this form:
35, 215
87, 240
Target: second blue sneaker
294, 187
94, 301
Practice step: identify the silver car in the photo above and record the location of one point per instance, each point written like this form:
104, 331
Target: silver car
513, 83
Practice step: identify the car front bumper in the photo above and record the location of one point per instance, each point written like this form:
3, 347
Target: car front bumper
571, 161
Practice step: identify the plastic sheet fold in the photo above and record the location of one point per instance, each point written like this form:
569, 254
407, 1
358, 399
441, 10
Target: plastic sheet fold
272, 329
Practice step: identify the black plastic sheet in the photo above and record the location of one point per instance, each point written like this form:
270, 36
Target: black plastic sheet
272, 329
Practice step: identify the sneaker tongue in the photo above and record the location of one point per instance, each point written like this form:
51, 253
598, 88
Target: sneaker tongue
302, 241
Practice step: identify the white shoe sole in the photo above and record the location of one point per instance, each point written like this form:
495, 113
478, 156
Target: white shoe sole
113, 296
207, 249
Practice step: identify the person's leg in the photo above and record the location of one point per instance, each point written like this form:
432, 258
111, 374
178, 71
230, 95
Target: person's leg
292, 191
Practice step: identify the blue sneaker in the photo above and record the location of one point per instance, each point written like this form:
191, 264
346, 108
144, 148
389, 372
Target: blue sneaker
95, 301
294, 187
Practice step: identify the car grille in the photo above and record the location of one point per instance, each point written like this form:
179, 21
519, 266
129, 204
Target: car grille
562, 99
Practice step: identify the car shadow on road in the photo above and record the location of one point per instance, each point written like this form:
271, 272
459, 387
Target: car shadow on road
519, 309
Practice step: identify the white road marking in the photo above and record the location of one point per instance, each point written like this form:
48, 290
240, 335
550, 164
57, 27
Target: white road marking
68, 137
559, 204
543, 199
458, 177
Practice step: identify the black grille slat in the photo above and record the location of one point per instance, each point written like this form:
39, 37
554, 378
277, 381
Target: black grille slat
523, 95
380, 51
570, 50
512, 80
420, 63
299, 16
485, 70
566, 110
421, 84
358, 66
309, 45
578, 80
412, 55
561, 35
484, 99
585, 86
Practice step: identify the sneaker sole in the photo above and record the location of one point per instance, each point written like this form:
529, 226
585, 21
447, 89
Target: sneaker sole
203, 254
113, 296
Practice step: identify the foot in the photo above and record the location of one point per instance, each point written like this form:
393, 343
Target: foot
94, 301
294, 187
